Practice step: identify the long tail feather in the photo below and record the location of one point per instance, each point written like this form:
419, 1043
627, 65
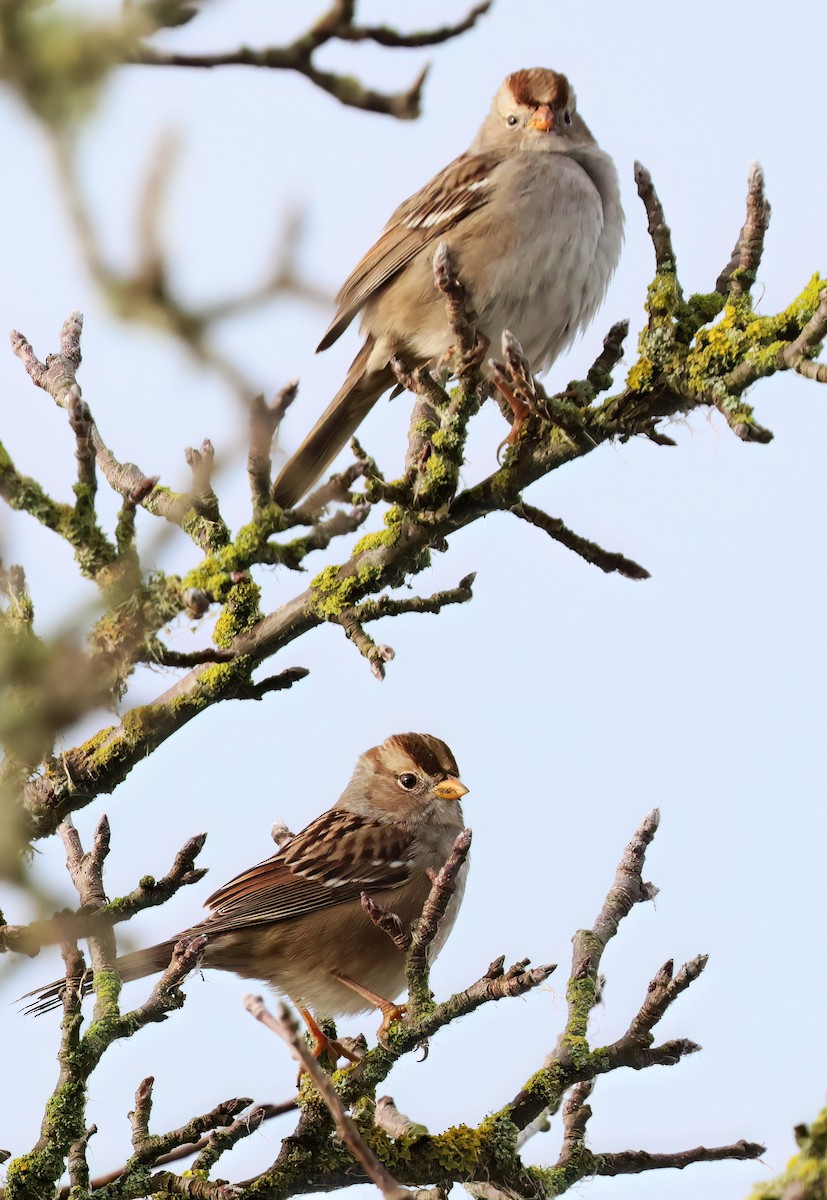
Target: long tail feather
130, 966
340, 420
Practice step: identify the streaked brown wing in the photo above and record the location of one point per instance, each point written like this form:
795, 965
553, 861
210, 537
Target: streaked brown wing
460, 189
332, 861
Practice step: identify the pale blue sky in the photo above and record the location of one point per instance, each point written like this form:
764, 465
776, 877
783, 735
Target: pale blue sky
573, 701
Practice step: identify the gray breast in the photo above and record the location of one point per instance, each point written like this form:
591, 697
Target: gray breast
552, 252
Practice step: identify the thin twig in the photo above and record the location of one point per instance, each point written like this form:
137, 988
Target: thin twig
274, 683
201, 462
86, 871
600, 372
286, 1026
336, 24
607, 560
572, 1053
425, 929
264, 421
57, 377
253, 1120
80, 420
389, 922
150, 892
385, 606
336, 490
659, 231
496, 984
632, 1162
376, 655
739, 274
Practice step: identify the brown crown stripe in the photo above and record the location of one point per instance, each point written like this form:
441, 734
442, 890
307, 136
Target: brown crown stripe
537, 86
427, 752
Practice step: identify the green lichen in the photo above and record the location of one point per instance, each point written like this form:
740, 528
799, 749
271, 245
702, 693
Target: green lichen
204, 531
112, 747
457, 1149
250, 545
553, 1181
240, 612
663, 296
706, 306
32, 1176
741, 336
76, 525
683, 351
108, 985
641, 376
337, 588
55, 768
219, 681
806, 1173
498, 1134
580, 995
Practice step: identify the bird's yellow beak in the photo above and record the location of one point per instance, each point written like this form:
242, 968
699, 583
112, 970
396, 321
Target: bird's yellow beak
450, 789
542, 119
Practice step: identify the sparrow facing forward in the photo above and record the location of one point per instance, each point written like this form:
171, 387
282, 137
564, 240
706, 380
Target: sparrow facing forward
296, 920
531, 212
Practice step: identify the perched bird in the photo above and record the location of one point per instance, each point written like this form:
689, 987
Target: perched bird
531, 212
296, 920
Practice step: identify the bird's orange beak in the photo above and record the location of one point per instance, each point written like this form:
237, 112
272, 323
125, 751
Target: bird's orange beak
542, 119
450, 789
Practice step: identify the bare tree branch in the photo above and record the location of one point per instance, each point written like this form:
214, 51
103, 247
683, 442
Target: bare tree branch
607, 560
94, 916
337, 24
739, 274
287, 1028
659, 231
632, 1162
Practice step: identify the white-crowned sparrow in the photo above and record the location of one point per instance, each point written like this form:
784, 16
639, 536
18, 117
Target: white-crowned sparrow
531, 212
296, 920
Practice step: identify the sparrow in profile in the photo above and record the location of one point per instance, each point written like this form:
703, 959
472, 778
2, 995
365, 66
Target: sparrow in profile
531, 212
296, 920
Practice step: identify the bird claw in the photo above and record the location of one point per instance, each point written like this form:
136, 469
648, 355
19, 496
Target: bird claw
520, 409
331, 1049
390, 1013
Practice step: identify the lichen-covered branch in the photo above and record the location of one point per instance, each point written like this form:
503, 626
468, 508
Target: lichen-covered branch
63, 1132
150, 892
286, 1026
443, 887
211, 1145
376, 1142
685, 361
487, 1158
798, 355
805, 1177
57, 377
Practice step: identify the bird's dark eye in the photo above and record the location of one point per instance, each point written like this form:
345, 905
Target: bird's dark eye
408, 781
511, 119
567, 117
